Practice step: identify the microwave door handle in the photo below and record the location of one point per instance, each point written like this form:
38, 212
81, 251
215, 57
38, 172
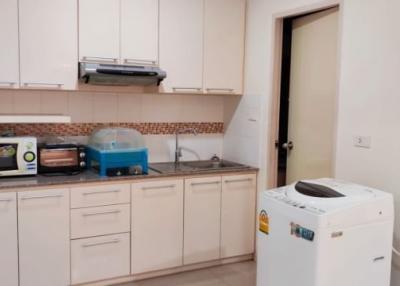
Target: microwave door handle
20, 158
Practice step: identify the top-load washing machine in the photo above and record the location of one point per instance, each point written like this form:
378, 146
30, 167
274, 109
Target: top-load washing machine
324, 233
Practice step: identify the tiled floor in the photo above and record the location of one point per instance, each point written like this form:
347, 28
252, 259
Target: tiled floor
238, 274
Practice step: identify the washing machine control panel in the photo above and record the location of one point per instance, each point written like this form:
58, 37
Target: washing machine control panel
280, 195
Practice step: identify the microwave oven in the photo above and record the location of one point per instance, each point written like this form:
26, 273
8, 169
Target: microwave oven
18, 156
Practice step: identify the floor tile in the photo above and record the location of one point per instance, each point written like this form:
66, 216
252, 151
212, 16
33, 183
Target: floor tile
238, 274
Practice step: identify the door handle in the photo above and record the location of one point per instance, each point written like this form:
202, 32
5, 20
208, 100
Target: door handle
288, 146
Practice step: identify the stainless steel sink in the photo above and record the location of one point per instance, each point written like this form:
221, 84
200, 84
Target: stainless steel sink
211, 165
192, 166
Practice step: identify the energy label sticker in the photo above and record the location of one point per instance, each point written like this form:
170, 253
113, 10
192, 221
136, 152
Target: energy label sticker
263, 222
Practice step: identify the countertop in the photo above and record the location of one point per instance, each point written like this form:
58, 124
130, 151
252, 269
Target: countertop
91, 176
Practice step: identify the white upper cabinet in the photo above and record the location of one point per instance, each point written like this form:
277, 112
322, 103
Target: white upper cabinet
139, 32
9, 62
224, 46
8, 239
181, 44
99, 30
48, 43
44, 239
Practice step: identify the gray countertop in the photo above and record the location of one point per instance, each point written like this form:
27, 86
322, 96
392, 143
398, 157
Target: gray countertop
90, 176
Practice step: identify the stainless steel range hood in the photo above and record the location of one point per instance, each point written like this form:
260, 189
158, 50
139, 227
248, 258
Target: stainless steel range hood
108, 74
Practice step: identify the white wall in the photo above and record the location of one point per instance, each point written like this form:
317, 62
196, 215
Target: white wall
369, 102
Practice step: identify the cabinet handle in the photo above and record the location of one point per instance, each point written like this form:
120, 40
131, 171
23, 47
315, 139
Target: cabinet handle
100, 59
206, 183
10, 83
145, 62
102, 213
183, 89
220, 90
6, 200
101, 243
239, 180
43, 84
42, 197
158, 187
99, 193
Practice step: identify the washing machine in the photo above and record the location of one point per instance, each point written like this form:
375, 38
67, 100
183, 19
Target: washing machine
324, 232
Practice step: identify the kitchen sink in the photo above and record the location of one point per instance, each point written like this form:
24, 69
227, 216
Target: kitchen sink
211, 165
192, 166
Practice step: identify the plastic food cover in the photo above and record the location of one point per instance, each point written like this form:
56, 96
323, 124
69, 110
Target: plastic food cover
116, 139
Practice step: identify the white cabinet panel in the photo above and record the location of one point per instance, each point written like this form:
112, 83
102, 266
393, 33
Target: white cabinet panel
224, 45
88, 222
181, 44
238, 215
139, 31
48, 43
9, 57
99, 30
202, 219
100, 195
157, 225
98, 258
43, 225
8, 239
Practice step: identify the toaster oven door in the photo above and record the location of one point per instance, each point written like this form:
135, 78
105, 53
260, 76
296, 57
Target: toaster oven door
8, 157
59, 158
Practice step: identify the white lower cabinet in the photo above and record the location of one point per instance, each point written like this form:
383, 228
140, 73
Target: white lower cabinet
102, 220
238, 215
157, 225
99, 258
8, 240
202, 219
44, 244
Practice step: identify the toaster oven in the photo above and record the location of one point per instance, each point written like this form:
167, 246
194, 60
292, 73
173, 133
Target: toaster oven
61, 158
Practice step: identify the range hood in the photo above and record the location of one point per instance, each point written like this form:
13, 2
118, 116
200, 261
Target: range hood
108, 74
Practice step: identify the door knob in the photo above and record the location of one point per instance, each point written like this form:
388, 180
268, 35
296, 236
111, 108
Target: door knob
288, 146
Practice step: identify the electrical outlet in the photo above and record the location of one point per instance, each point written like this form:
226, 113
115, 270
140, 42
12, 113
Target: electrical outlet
362, 141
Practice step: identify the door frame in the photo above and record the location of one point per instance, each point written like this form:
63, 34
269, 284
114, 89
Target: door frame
277, 34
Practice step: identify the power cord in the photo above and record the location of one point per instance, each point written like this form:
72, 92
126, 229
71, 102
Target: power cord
395, 251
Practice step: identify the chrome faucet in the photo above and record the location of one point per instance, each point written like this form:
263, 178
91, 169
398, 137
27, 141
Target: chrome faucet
178, 150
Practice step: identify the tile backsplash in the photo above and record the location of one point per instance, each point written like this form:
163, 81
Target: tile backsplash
85, 129
99, 107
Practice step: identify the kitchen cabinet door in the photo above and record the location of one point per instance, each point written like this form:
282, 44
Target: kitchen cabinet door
238, 208
8, 239
139, 32
48, 43
99, 30
224, 46
100, 257
44, 240
157, 225
9, 57
181, 44
202, 220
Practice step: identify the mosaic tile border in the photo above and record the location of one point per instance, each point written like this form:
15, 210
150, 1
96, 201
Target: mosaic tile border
85, 129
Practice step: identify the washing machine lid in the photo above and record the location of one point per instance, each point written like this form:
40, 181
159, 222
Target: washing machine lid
329, 194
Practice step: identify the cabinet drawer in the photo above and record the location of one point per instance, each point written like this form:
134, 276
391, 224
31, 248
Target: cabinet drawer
100, 221
99, 258
100, 195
